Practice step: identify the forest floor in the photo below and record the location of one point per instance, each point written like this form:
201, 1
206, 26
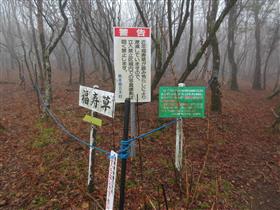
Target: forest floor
236, 152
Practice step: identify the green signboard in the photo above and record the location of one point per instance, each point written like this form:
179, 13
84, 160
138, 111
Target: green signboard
184, 102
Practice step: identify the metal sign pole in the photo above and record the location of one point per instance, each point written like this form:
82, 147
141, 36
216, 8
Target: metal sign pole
91, 157
132, 128
123, 167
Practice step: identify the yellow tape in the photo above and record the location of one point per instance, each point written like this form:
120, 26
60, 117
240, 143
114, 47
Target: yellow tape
92, 120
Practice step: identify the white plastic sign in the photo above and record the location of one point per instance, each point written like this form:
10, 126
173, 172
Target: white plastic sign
111, 180
132, 61
99, 101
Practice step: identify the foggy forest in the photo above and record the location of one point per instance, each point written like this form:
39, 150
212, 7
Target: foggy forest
140, 104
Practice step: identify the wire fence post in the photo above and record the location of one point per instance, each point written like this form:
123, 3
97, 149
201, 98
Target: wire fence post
179, 141
123, 166
92, 151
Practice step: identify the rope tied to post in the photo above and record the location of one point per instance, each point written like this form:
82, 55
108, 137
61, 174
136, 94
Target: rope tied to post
125, 144
124, 149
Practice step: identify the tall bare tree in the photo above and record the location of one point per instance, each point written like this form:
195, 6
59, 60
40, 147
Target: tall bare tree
273, 40
76, 11
47, 48
207, 41
98, 20
35, 44
174, 37
257, 74
216, 103
232, 27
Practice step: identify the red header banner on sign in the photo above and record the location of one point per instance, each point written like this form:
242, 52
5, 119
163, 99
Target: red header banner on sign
132, 32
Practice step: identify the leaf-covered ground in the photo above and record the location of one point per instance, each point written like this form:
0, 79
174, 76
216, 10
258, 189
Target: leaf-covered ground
232, 160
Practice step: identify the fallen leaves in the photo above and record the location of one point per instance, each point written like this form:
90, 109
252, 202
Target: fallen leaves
53, 175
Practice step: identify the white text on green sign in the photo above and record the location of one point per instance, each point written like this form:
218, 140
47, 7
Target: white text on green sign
182, 102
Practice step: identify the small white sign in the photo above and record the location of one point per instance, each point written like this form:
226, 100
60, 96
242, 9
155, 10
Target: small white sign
132, 62
99, 101
111, 180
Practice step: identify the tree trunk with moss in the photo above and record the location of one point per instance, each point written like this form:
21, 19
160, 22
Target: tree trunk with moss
216, 102
47, 49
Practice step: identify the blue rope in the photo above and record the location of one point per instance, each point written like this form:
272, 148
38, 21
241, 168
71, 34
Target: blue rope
124, 153
125, 144
63, 128
153, 131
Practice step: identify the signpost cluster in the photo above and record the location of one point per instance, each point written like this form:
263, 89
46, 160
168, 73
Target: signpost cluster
132, 62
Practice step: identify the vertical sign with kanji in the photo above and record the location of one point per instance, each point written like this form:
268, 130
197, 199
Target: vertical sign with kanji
132, 61
111, 180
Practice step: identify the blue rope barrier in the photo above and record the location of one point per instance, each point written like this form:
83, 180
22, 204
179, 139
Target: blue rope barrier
125, 144
153, 131
63, 128
123, 153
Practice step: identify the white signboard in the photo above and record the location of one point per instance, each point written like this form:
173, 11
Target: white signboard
132, 61
111, 180
99, 101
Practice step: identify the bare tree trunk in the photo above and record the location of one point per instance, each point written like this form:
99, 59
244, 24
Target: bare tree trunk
274, 39
20, 73
162, 66
81, 64
48, 79
79, 38
191, 34
23, 45
206, 63
48, 49
95, 64
69, 61
216, 103
277, 78
232, 25
223, 67
206, 43
98, 26
34, 39
10, 43
257, 74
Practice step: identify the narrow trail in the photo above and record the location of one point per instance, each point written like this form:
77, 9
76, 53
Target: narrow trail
252, 154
